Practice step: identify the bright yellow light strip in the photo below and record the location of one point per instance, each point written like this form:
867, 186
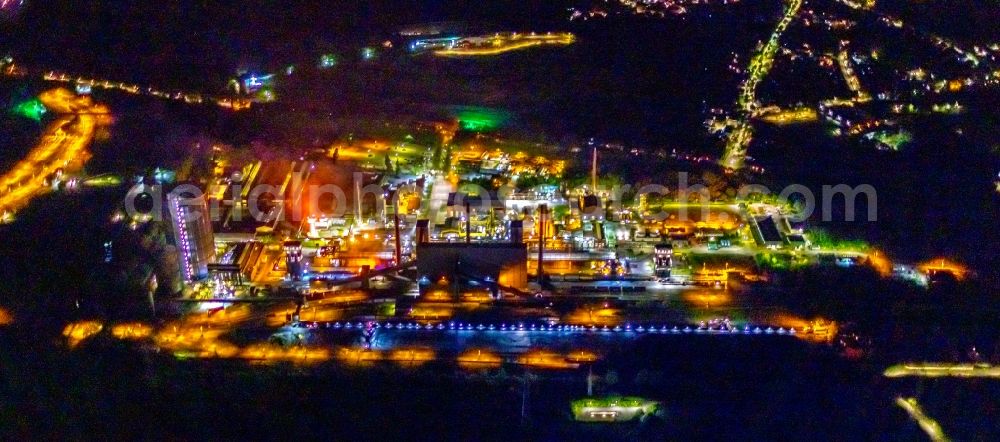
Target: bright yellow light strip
799, 115
563, 39
930, 426
544, 359
412, 356
277, 353
358, 355
929, 370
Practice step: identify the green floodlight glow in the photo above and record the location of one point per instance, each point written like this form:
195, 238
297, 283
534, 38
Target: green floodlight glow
623, 408
892, 140
266, 95
480, 119
32, 109
103, 181
327, 61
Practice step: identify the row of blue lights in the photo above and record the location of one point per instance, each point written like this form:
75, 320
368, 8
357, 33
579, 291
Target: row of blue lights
182, 229
558, 328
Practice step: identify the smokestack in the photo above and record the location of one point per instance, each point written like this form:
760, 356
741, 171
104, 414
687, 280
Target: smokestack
357, 200
422, 234
542, 209
395, 221
468, 223
593, 172
516, 231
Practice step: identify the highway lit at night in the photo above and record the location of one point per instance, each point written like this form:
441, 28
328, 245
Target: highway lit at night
929, 425
63, 148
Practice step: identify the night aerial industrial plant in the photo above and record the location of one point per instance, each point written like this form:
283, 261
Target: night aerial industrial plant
500, 220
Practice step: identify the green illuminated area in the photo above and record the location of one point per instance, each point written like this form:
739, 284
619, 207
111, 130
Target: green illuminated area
612, 409
266, 94
32, 109
891, 140
327, 61
480, 119
780, 260
103, 181
824, 240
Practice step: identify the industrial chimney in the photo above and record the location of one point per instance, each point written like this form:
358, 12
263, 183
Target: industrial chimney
422, 232
516, 231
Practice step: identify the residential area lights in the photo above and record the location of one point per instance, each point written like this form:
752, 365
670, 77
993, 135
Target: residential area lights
739, 139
